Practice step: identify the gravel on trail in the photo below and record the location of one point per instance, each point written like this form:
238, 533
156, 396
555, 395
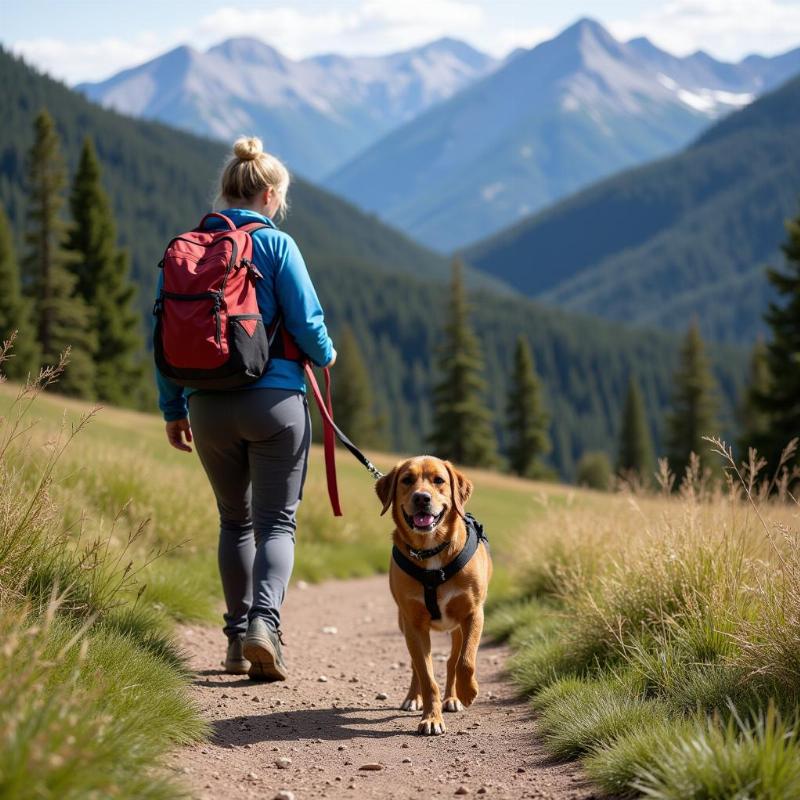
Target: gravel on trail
334, 728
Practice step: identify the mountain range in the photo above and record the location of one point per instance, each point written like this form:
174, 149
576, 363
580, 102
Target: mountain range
685, 237
390, 290
443, 141
547, 122
314, 113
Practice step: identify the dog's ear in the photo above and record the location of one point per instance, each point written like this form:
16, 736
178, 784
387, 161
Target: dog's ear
385, 488
460, 488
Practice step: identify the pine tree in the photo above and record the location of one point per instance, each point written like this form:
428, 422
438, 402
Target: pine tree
780, 401
353, 402
462, 424
101, 271
694, 407
61, 316
527, 420
15, 311
753, 420
635, 458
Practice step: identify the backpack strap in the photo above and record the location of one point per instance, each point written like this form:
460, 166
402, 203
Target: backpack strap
254, 226
281, 343
227, 220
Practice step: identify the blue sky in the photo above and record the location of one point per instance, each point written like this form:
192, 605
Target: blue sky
89, 39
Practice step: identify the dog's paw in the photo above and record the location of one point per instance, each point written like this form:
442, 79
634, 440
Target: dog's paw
452, 704
412, 704
432, 725
466, 689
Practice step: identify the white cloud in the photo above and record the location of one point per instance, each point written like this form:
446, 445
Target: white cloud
727, 29
373, 27
78, 61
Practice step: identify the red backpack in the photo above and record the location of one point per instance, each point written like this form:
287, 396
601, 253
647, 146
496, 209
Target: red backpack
209, 333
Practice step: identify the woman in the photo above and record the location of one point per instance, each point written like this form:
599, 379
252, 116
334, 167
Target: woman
253, 442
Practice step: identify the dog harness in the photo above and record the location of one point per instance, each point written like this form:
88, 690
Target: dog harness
431, 579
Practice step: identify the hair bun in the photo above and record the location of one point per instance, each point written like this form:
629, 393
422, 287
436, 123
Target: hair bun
247, 148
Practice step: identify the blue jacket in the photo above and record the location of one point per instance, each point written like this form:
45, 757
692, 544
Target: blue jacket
286, 286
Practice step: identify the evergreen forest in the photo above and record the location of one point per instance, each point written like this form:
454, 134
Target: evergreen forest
393, 293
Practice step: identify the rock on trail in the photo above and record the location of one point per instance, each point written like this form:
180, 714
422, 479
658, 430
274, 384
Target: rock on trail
336, 738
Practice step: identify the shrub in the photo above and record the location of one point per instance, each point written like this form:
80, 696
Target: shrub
594, 471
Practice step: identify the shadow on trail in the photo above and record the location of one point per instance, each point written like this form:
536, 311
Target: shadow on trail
328, 724
209, 673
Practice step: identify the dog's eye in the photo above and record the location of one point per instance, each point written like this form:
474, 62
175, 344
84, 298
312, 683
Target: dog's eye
438, 480
407, 480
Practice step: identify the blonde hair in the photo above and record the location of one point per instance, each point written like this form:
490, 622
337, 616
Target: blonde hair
251, 171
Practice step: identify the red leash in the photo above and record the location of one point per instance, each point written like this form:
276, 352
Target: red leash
329, 435
328, 441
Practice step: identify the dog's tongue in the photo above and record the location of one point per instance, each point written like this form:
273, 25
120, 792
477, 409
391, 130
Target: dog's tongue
423, 520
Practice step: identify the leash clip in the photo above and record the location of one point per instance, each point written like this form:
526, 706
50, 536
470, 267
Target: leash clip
373, 470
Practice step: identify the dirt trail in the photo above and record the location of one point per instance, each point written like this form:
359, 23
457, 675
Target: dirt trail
328, 718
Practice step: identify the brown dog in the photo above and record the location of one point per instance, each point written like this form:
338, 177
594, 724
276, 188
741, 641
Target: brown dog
427, 498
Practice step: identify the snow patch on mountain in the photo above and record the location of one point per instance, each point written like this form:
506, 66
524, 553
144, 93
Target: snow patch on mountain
708, 101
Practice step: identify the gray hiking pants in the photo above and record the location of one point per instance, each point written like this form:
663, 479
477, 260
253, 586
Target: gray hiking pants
253, 445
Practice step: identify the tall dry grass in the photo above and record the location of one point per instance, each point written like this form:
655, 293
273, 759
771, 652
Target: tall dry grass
667, 628
92, 686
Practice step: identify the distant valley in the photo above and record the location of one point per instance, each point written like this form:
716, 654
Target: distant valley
685, 237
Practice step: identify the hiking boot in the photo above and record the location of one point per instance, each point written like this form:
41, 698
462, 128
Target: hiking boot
235, 662
262, 648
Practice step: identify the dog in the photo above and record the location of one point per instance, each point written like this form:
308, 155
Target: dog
427, 496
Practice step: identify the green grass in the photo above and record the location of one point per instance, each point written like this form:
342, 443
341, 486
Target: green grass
738, 761
575, 715
60, 737
614, 766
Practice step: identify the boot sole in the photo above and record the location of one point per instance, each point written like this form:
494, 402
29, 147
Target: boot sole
237, 667
263, 661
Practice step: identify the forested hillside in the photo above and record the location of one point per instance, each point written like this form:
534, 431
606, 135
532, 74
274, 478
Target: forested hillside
686, 236
161, 181
391, 291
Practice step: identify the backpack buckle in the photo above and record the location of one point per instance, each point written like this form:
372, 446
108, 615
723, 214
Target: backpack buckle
251, 268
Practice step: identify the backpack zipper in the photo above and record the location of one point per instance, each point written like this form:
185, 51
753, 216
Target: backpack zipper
215, 296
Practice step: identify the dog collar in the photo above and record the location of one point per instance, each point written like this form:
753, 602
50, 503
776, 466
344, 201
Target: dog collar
431, 579
421, 555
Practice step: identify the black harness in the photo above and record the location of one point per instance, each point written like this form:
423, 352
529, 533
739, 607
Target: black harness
431, 579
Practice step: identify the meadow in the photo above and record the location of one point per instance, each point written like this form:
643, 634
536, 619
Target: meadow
107, 539
658, 635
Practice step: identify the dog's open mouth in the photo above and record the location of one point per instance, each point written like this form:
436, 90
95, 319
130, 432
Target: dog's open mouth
423, 521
